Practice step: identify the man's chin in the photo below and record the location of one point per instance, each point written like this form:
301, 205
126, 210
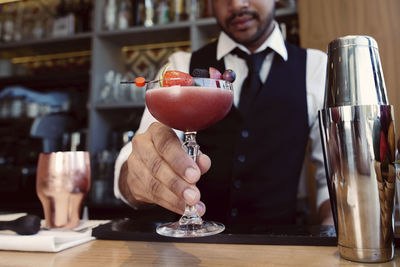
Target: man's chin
243, 37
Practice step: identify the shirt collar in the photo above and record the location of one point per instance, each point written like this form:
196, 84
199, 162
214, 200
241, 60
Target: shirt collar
275, 41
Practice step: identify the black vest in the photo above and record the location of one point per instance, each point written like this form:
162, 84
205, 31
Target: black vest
257, 159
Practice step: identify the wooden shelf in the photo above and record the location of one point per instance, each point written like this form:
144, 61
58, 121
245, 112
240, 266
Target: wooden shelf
141, 29
141, 35
78, 42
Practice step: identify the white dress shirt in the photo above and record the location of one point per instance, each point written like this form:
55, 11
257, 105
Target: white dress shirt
315, 86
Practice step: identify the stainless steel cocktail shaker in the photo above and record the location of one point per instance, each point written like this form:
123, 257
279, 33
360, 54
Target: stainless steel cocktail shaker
357, 132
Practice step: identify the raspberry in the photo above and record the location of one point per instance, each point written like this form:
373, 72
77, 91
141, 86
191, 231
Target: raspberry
214, 73
175, 77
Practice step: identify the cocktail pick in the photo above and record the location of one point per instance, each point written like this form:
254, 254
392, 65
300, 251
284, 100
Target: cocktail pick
139, 82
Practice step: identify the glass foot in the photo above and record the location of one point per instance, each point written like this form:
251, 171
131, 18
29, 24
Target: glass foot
175, 229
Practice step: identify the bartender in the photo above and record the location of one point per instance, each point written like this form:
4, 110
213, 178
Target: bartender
249, 172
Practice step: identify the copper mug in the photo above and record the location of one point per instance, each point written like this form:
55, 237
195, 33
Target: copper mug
62, 182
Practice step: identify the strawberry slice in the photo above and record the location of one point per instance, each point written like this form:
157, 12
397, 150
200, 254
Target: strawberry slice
175, 77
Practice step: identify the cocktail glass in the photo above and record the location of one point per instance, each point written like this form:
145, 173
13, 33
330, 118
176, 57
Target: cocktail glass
194, 106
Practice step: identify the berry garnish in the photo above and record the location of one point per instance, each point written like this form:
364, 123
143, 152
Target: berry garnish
214, 73
175, 77
229, 75
200, 73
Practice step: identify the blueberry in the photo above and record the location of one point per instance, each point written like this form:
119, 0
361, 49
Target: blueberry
229, 75
201, 73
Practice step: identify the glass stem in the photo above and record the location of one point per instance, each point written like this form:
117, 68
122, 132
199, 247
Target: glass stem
190, 216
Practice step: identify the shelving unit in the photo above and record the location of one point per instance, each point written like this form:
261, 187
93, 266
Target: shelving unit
105, 48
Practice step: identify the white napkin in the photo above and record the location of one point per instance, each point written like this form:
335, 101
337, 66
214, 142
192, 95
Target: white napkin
46, 240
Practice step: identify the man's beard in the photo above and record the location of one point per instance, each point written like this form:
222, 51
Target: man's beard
264, 26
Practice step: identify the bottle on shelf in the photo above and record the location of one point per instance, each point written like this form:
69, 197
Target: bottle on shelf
138, 12
64, 22
122, 14
149, 13
125, 19
192, 9
8, 22
163, 12
179, 10
110, 15
18, 21
39, 25
28, 21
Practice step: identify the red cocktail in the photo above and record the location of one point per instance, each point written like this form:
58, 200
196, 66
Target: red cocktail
189, 108
192, 106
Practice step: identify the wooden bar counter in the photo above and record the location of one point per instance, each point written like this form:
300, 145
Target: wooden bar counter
140, 253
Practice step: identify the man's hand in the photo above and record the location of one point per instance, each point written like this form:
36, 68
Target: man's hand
325, 213
159, 171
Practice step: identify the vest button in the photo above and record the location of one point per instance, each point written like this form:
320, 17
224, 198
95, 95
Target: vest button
234, 212
237, 184
241, 158
245, 134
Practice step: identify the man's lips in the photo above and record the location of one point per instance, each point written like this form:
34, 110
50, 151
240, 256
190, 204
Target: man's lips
241, 23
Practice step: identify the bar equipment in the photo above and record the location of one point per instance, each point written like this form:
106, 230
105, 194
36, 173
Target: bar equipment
358, 139
62, 182
25, 225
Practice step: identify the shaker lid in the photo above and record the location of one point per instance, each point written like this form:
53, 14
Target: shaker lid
352, 40
354, 73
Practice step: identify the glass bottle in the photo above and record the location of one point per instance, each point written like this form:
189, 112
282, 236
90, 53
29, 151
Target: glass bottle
110, 15
149, 13
38, 31
9, 23
179, 10
28, 21
163, 12
19, 10
125, 19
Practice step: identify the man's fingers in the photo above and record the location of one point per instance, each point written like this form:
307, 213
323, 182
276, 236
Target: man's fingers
176, 185
165, 198
201, 208
204, 163
153, 183
148, 189
161, 171
159, 193
170, 149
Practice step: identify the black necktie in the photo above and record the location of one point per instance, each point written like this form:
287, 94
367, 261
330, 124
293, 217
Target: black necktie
252, 84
